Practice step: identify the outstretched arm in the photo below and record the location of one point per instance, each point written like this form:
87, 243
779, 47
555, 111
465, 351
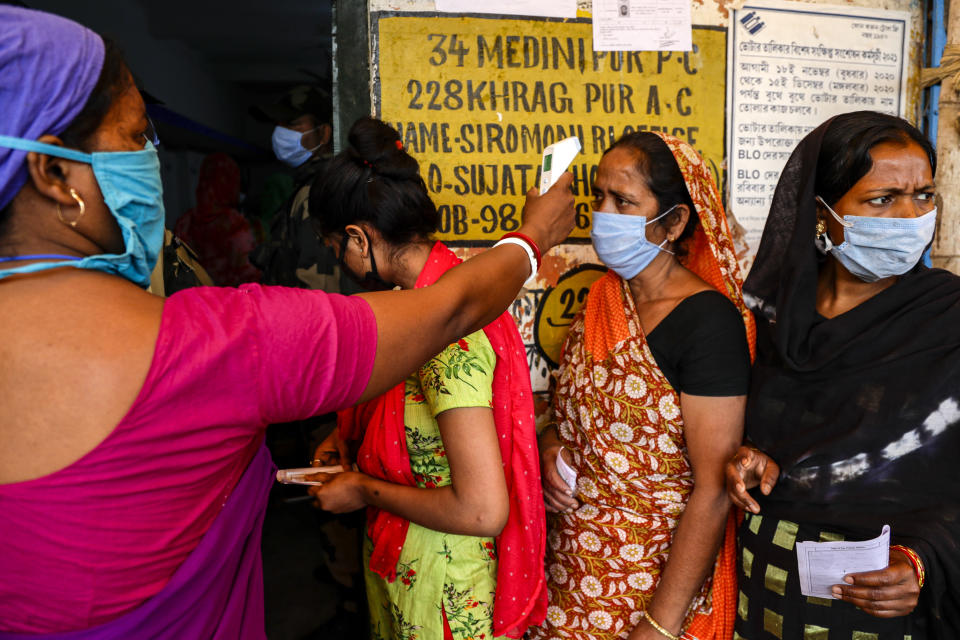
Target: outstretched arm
414, 325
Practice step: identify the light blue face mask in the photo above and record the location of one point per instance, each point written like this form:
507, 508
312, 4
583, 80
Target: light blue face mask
132, 190
621, 242
288, 146
876, 248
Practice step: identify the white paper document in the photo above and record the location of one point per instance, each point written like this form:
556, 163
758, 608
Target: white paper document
544, 8
823, 564
566, 472
642, 25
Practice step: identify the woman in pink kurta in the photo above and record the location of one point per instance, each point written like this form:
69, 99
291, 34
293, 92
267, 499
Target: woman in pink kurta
133, 476
105, 533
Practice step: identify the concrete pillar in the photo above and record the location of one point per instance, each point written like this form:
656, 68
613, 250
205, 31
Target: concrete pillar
351, 67
946, 248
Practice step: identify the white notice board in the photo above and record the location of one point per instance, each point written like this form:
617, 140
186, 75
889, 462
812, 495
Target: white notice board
790, 66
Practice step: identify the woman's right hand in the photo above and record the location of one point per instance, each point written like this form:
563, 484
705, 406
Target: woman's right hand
557, 496
748, 468
549, 219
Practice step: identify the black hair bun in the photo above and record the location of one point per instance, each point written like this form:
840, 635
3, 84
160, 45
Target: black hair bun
374, 180
377, 145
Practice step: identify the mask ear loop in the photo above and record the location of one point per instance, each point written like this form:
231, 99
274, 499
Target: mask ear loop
834, 214
373, 274
652, 220
824, 242
660, 246
343, 255
665, 240
305, 133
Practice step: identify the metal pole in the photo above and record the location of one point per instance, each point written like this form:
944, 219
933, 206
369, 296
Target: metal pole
946, 247
937, 40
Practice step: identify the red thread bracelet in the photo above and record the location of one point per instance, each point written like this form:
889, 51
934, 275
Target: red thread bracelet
529, 241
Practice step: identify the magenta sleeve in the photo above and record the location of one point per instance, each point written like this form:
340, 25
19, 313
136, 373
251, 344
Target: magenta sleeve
316, 351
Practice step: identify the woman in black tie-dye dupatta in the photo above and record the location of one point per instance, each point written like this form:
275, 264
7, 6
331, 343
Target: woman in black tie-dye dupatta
853, 417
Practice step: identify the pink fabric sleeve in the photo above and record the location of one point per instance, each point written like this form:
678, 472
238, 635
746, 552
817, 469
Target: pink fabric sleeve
92, 541
316, 351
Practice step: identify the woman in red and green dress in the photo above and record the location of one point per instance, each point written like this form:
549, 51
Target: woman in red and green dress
448, 460
649, 405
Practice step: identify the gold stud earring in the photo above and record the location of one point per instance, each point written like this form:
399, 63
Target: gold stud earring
821, 228
80, 203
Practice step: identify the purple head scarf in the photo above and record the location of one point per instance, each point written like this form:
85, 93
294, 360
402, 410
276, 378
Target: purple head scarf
48, 67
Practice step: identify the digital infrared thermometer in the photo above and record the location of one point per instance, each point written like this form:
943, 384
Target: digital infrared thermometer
556, 158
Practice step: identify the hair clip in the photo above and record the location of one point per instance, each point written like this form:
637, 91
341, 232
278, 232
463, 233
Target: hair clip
399, 145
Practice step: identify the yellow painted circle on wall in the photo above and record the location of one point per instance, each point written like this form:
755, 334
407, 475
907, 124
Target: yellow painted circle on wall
559, 306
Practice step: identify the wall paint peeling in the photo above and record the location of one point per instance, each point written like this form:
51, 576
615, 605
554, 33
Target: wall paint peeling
565, 258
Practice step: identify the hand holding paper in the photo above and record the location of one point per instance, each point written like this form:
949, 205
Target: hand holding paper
888, 591
824, 564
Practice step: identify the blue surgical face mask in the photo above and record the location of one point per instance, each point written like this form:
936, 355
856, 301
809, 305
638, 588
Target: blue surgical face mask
621, 242
288, 146
876, 248
132, 190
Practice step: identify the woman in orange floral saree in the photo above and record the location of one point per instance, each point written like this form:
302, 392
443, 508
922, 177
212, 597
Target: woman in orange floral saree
649, 405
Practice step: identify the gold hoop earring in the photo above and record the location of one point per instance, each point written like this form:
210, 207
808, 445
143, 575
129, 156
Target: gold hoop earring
821, 228
80, 203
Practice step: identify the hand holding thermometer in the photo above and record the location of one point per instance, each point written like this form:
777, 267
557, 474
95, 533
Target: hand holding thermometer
556, 158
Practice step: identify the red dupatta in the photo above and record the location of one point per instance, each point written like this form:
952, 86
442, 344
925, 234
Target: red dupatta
521, 597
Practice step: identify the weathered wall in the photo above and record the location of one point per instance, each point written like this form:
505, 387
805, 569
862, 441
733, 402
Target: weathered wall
717, 13
563, 259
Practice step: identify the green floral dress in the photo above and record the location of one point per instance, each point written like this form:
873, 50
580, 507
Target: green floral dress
439, 571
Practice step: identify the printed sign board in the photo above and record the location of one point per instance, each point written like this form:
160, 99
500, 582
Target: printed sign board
791, 67
477, 98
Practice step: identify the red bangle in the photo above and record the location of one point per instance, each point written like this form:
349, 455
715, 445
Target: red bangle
914, 560
529, 241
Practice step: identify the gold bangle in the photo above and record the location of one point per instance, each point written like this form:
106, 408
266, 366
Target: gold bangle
656, 625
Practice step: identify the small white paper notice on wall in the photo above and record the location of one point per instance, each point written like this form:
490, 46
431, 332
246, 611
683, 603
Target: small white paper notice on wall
642, 25
542, 8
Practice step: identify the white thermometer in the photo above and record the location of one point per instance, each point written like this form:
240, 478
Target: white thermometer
556, 158
299, 476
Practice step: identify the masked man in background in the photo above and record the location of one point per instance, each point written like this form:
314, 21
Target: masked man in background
294, 256
302, 139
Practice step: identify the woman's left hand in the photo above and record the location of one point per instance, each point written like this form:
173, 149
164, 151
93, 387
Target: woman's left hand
885, 593
341, 492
